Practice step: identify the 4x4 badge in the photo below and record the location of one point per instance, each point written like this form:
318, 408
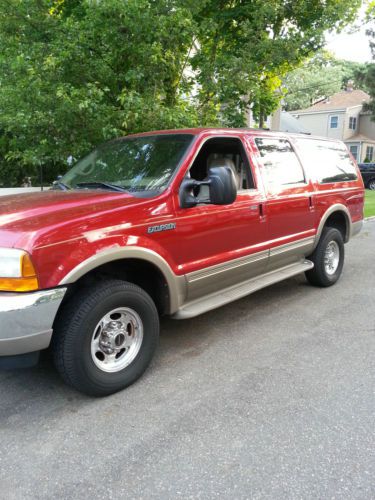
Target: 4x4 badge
161, 227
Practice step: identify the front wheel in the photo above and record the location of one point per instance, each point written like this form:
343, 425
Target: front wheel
105, 337
328, 259
371, 184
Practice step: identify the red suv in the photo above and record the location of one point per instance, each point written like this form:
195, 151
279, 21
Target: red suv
173, 222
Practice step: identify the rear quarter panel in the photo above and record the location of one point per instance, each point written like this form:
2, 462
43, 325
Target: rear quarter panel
347, 193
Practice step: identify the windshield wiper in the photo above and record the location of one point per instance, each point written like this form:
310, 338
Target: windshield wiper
104, 185
60, 185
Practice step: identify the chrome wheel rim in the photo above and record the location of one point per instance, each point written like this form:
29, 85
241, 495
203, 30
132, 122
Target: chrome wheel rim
117, 339
331, 258
371, 185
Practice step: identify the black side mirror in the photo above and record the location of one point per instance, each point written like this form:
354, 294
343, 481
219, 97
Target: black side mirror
222, 186
223, 190
186, 193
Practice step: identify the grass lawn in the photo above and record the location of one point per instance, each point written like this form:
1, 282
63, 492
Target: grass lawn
369, 203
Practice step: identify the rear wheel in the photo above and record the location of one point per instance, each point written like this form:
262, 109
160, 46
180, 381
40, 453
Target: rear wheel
105, 337
328, 259
371, 184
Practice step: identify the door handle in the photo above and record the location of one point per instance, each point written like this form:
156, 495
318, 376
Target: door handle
311, 203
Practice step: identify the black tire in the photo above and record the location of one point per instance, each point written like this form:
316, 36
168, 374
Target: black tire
74, 329
371, 184
318, 276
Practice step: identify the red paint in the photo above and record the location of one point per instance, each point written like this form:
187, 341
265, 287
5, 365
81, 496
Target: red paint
62, 229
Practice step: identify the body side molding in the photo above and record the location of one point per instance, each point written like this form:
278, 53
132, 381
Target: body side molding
229, 294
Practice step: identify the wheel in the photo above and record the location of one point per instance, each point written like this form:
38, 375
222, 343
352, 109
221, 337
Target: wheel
371, 184
105, 337
328, 259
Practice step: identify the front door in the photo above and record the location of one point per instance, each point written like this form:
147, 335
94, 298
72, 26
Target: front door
218, 246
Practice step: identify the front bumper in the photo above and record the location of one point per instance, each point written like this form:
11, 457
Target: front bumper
26, 320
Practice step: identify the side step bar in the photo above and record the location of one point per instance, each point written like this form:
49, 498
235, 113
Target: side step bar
234, 292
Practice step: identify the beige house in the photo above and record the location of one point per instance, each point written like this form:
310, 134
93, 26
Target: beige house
341, 116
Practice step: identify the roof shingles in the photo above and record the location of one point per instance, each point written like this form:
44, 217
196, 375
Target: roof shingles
340, 100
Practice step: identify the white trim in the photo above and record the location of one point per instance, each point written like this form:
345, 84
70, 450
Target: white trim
326, 111
330, 122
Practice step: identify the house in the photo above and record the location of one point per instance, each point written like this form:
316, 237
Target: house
342, 116
281, 121
290, 124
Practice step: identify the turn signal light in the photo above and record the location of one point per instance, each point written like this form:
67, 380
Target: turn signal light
23, 277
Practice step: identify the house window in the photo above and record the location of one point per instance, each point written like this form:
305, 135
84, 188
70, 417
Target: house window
370, 153
333, 121
352, 122
354, 151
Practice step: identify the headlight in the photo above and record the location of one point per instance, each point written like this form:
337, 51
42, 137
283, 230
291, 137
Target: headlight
17, 273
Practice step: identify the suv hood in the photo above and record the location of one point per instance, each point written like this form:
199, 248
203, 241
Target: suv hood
31, 213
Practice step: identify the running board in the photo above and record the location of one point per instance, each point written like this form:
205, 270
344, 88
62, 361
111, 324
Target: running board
227, 295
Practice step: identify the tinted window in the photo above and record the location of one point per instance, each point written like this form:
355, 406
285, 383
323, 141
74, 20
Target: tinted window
280, 163
327, 161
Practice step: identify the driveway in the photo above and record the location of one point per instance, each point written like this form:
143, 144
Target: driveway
272, 396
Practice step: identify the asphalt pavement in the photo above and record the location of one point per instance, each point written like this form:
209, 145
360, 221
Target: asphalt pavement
270, 397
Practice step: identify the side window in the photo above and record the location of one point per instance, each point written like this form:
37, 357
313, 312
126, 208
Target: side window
327, 161
369, 153
354, 151
352, 122
333, 121
280, 164
223, 151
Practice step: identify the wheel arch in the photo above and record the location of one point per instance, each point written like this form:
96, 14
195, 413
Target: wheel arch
140, 266
337, 216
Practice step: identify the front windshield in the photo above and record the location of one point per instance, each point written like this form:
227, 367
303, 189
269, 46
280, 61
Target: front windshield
136, 164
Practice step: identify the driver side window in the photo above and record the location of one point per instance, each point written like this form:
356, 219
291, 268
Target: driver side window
221, 152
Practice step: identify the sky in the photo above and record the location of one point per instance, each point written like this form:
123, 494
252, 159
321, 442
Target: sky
351, 46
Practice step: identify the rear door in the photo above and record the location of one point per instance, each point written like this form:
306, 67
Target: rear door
290, 202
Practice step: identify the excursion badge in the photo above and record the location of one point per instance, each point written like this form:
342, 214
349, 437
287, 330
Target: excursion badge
161, 227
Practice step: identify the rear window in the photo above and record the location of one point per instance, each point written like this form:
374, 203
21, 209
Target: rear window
280, 163
327, 161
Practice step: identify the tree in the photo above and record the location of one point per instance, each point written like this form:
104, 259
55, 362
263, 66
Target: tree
246, 47
367, 75
320, 76
74, 73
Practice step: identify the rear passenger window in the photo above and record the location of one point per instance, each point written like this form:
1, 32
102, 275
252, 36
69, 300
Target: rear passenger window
327, 161
280, 163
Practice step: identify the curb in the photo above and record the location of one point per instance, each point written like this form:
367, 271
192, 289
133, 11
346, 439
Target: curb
369, 219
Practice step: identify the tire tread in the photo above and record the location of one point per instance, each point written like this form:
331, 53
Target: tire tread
317, 275
70, 318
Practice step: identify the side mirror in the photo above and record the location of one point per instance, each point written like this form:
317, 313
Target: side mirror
186, 193
223, 190
222, 186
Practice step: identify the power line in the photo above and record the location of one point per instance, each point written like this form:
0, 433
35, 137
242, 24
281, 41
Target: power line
315, 86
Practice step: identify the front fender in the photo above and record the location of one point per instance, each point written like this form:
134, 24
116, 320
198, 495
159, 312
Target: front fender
65, 262
176, 284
